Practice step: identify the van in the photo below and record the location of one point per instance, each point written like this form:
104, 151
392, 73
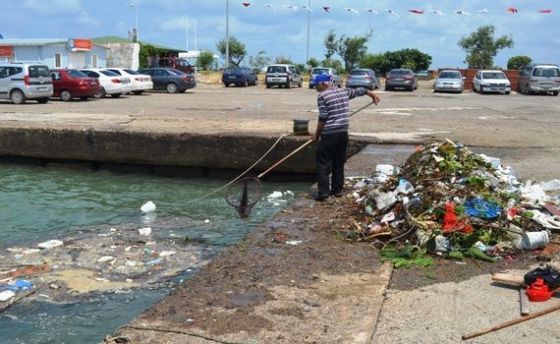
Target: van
21, 81
283, 75
335, 78
541, 78
239, 76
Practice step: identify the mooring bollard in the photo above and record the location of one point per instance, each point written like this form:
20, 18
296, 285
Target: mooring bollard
301, 127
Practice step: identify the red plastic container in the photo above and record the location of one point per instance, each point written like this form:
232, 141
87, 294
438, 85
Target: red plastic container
538, 291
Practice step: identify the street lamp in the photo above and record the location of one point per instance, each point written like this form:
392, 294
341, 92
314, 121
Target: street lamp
227, 33
308, 26
133, 5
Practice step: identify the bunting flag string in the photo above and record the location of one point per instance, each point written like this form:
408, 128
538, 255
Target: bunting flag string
412, 11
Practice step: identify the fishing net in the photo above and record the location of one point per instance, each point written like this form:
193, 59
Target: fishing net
244, 194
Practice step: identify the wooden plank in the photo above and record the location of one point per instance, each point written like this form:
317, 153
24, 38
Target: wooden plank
523, 302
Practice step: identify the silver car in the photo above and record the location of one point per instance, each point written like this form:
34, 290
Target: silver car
362, 78
494, 81
21, 81
540, 79
449, 81
283, 75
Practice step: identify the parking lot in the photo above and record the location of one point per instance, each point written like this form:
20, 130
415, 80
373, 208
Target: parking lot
519, 128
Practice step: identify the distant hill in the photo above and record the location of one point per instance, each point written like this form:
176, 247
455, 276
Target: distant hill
117, 39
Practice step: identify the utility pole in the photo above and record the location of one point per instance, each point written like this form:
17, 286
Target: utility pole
195, 38
187, 34
227, 33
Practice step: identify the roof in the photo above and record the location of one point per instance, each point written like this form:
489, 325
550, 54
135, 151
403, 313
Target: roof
31, 41
14, 42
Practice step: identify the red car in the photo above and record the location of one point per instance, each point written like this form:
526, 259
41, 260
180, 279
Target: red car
71, 83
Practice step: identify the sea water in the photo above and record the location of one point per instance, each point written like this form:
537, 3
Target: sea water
41, 203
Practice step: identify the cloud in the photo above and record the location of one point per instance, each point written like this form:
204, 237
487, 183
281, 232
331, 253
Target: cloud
53, 6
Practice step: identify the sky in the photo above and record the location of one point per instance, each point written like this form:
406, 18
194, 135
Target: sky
281, 31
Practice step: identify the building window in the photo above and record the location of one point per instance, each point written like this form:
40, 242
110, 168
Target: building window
57, 60
93, 61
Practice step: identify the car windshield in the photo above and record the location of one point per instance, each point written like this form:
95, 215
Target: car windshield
400, 72
234, 71
547, 72
76, 73
493, 75
108, 73
318, 71
131, 72
359, 73
450, 75
39, 71
276, 69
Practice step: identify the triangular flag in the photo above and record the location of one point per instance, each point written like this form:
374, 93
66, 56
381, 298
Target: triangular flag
461, 12
390, 11
512, 10
246, 4
372, 11
351, 10
416, 11
326, 9
483, 11
545, 11
437, 12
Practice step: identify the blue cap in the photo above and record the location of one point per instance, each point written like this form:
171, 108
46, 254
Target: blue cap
322, 78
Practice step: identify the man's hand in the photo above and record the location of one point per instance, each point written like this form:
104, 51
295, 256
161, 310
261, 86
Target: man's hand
374, 98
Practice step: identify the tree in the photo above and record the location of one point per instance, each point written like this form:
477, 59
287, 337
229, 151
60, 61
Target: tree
518, 62
313, 62
283, 60
481, 47
205, 59
350, 49
259, 61
237, 50
405, 58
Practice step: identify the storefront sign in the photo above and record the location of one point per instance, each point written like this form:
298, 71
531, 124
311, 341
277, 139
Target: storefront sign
80, 44
6, 51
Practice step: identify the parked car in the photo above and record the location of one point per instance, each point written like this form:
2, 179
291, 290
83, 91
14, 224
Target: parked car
335, 78
170, 79
362, 77
22, 81
111, 83
540, 79
71, 83
240, 76
401, 78
283, 75
175, 63
139, 82
491, 81
449, 80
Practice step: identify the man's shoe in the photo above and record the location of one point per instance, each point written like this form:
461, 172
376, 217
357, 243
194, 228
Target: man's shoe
321, 198
338, 194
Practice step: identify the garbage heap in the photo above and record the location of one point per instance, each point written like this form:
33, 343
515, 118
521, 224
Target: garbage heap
451, 201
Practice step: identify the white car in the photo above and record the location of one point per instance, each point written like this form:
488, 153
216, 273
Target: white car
111, 83
491, 81
140, 82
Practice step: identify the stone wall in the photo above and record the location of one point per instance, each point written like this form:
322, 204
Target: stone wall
123, 55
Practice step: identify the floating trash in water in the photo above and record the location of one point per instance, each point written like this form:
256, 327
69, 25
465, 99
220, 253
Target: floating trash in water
145, 231
148, 207
50, 244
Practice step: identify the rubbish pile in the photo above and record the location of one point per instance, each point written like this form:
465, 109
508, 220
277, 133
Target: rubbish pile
450, 201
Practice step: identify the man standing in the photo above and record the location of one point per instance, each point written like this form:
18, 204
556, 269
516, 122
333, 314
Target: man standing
332, 134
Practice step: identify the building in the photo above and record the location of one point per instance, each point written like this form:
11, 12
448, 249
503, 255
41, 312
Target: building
55, 53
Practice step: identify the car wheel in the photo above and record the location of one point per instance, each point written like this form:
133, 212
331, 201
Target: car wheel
288, 84
555, 93
171, 88
507, 93
300, 84
17, 97
387, 88
246, 83
267, 85
138, 92
65, 96
84, 98
101, 94
116, 95
42, 100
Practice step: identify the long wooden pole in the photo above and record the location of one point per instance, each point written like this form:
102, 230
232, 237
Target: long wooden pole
307, 143
512, 322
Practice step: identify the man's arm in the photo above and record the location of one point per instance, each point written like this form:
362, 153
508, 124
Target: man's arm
360, 91
320, 126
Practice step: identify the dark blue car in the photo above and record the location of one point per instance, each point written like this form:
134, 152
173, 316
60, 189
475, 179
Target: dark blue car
240, 76
170, 80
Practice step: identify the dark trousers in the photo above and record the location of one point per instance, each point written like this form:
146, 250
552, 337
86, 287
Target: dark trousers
331, 156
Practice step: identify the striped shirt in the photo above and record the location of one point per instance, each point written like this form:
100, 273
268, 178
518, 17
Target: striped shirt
334, 107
